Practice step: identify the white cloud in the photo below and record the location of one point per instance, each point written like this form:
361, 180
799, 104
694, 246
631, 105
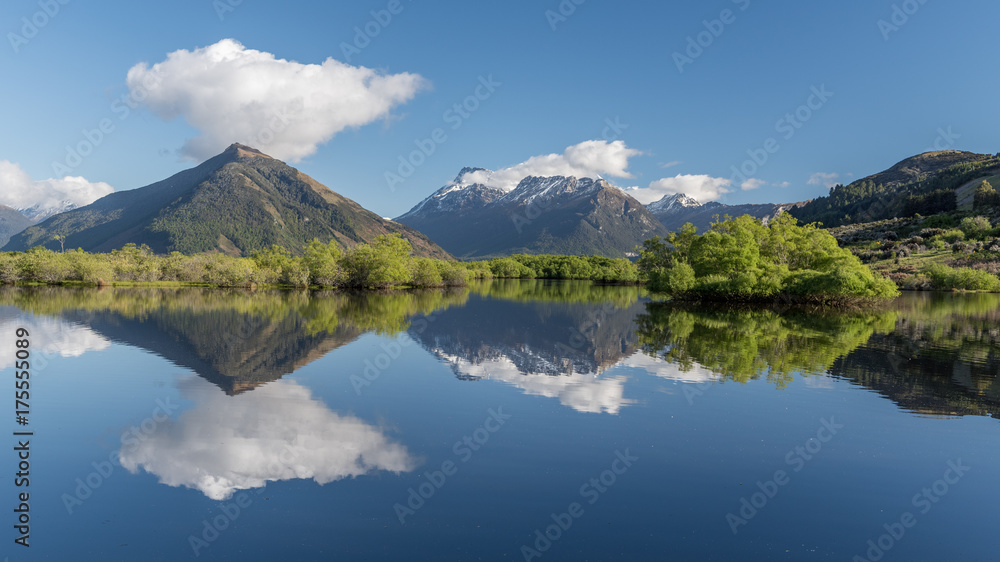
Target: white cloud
285, 108
276, 432
45, 197
824, 179
585, 160
52, 336
701, 187
783, 184
667, 370
584, 392
670, 164
752, 183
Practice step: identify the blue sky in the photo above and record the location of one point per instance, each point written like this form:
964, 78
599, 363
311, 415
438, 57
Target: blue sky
555, 82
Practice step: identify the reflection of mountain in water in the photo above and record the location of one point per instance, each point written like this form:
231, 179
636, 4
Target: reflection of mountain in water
235, 339
279, 432
550, 348
235, 350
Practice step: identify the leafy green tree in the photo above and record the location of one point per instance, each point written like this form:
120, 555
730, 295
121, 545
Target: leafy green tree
975, 228
741, 259
322, 261
380, 265
986, 197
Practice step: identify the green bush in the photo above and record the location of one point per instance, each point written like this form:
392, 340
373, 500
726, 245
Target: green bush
379, 265
741, 259
425, 273
943, 220
943, 277
323, 263
975, 227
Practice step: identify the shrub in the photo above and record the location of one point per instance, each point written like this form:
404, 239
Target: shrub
740, 259
453, 274
975, 227
943, 277
379, 265
322, 262
425, 274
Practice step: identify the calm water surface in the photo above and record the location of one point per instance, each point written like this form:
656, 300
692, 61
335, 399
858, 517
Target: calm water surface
512, 421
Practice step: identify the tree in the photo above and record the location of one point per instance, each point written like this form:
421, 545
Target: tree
380, 265
741, 259
986, 197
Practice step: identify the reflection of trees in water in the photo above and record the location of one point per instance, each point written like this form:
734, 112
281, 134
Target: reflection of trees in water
936, 354
745, 344
942, 359
236, 339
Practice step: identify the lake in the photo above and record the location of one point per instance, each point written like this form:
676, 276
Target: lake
514, 420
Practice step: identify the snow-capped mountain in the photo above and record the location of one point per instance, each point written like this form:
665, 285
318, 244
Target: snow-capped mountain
41, 211
456, 197
675, 210
556, 214
672, 203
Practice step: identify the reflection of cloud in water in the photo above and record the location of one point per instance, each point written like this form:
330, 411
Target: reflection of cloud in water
277, 432
47, 336
583, 392
667, 370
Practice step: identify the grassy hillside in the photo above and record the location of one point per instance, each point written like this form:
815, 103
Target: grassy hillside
927, 184
956, 250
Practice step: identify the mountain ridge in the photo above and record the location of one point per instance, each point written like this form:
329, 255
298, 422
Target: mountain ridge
557, 214
237, 202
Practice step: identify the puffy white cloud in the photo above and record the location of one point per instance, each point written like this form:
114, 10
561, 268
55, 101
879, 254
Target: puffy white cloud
585, 160
824, 179
234, 94
40, 199
752, 183
276, 432
701, 187
49, 336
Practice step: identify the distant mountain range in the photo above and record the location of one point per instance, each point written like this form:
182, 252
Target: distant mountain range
243, 200
237, 202
675, 210
11, 222
558, 215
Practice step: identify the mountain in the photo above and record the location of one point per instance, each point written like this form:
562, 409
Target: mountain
559, 215
675, 210
41, 211
237, 202
925, 184
525, 345
11, 222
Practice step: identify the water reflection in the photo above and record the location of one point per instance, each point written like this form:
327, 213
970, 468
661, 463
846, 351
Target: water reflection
49, 335
278, 432
933, 354
238, 340
556, 340
573, 342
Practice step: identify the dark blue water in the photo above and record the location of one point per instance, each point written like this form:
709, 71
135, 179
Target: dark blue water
522, 421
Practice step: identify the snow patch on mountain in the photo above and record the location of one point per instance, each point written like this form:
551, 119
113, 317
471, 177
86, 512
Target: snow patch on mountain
671, 203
